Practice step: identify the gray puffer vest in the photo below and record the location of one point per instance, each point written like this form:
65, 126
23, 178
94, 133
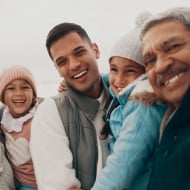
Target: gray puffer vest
77, 112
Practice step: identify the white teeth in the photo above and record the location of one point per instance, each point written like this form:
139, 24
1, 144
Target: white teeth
120, 89
80, 74
180, 75
18, 101
173, 79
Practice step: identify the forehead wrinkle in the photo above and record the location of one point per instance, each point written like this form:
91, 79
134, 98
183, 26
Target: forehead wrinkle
162, 43
171, 39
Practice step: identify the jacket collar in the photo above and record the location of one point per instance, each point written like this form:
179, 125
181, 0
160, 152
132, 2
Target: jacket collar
180, 116
87, 104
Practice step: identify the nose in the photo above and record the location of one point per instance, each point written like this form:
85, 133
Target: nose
121, 80
163, 62
18, 91
74, 63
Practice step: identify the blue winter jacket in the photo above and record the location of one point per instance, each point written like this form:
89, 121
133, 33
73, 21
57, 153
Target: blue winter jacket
135, 132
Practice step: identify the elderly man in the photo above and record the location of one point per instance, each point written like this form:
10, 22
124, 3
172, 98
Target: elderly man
166, 55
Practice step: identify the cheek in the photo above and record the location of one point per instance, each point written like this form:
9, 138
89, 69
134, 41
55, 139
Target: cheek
7, 97
111, 79
30, 96
152, 79
64, 71
59, 70
150, 75
184, 56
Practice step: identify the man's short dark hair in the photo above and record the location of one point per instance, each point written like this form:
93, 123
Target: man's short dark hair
63, 29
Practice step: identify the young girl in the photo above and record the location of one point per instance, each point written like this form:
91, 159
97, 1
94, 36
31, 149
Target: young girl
18, 93
133, 119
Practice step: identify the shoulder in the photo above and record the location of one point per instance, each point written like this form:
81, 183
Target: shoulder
46, 106
61, 97
144, 94
141, 86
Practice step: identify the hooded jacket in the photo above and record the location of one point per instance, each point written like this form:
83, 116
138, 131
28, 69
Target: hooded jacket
134, 127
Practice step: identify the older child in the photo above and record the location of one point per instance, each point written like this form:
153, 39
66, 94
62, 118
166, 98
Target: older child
18, 93
134, 118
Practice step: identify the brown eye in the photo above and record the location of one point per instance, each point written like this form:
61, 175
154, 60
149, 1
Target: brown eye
131, 71
79, 52
174, 46
26, 87
149, 61
113, 69
10, 88
61, 63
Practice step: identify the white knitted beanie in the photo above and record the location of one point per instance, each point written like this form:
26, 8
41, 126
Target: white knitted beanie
129, 45
15, 72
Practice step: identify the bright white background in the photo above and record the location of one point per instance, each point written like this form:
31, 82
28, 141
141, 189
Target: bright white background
24, 25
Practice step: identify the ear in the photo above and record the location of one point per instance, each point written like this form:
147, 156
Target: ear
96, 50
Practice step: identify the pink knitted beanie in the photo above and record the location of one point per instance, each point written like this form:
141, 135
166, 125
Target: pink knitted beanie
15, 72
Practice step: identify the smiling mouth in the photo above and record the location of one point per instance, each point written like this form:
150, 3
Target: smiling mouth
119, 89
18, 101
80, 74
173, 79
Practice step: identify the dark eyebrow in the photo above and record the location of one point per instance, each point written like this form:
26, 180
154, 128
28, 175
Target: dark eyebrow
172, 39
79, 48
76, 49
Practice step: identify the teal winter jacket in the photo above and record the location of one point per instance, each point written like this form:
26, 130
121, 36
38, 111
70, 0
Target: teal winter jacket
135, 132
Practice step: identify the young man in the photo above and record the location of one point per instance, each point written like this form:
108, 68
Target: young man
66, 150
166, 55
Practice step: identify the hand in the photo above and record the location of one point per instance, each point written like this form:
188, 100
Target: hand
62, 86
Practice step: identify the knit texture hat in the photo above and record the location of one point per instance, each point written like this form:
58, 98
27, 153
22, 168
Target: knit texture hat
13, 73
129, 45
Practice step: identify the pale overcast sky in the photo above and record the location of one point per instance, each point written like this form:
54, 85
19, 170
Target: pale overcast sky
24, 25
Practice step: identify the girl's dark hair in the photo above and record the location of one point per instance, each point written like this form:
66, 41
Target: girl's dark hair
106, 128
